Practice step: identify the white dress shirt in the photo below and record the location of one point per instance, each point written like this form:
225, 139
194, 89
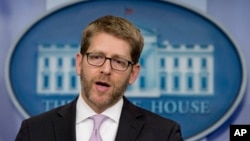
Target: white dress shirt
84, 125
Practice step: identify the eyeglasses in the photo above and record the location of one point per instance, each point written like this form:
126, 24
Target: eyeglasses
116, 63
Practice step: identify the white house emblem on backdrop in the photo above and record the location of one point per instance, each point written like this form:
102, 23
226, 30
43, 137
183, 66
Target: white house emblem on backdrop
177, 69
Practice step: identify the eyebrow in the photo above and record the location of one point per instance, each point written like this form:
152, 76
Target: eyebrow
113, 56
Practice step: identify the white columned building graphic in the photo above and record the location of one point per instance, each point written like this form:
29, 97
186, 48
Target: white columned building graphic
166, 69
56, 69
185, 69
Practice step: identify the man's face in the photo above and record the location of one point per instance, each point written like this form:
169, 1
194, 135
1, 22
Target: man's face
102, 86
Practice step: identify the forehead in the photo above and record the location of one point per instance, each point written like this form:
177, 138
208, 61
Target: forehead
109, 45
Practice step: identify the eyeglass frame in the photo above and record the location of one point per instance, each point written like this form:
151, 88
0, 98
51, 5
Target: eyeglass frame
107, 58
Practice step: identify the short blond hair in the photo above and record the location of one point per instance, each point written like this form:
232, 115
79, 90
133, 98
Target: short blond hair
120, 28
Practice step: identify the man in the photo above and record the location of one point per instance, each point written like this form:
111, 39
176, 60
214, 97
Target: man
107, 63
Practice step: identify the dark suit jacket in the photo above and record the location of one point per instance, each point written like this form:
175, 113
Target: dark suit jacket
136, 124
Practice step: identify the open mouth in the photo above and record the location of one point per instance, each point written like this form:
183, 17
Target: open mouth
102, 84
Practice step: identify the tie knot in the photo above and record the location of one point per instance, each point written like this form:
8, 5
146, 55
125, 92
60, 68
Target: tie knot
98, 120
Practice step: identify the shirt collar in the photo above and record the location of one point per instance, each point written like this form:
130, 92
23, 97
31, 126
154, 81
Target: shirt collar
83, 111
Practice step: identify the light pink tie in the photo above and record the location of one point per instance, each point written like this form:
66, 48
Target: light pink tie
98, 120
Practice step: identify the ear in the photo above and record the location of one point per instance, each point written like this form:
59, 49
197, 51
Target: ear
79, 59
134, 73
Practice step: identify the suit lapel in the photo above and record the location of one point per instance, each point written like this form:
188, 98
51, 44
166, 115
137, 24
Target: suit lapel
129, 128
64, 123
130, 124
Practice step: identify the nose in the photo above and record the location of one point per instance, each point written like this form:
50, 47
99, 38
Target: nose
106, 67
